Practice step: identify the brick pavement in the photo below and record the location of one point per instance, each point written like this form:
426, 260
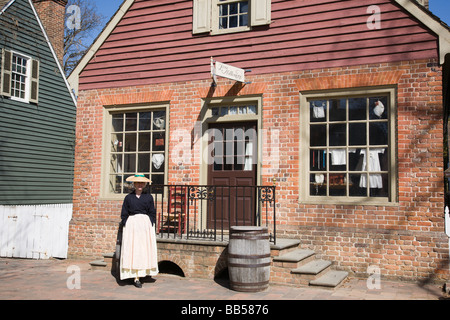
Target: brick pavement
47, 280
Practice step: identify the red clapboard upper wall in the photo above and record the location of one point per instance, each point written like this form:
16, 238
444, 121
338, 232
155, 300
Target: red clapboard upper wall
153, 43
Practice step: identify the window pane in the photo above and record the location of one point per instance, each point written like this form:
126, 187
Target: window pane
338, 109
144, 162
357, 109
338, 134
117, 142
115, 184
144, 141
318, 110
357, 134
355, 160
243, 20
233, 22
130, 121
223, 23
130, 163
116, 163
338, 184
145, 119
378, 133
243, 6
223, 10
318, 185
378, 108
355, 189
318, 160
318, 136
338, 159
117, 122
233, 7
127, 187
159, 120
157, 179
158, 141
158, 160
130, 142
378, 185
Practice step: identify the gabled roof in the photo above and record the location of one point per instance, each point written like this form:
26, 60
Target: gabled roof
417, 10
432, 22
5, 4
74, 75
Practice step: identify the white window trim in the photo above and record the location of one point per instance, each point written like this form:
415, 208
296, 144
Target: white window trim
305, 197
206, 16
215, 18
27, 80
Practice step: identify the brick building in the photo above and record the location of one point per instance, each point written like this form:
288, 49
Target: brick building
346, 99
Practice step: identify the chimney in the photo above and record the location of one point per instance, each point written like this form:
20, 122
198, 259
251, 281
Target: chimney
425, 3
52, 15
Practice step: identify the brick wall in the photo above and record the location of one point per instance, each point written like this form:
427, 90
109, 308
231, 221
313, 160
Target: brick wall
52, 14
405, 241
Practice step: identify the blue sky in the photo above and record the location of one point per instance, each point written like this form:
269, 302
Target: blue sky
440, 8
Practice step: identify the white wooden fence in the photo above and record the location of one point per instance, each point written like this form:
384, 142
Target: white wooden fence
35, 232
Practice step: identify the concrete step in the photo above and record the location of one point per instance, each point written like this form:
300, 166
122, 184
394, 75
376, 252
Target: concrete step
312, 268
294, 256
283, 246
98, 265
330, 279
105, 264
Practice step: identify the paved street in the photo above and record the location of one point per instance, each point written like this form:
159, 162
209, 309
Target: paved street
75, 280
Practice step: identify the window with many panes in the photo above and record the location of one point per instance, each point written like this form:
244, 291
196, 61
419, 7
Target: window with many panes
226, 16
233, 14
350, 147
137, 145
19, 76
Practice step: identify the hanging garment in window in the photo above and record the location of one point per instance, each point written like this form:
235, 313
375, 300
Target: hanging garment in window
375, 180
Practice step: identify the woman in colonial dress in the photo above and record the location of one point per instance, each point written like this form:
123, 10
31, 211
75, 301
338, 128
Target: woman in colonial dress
138, 252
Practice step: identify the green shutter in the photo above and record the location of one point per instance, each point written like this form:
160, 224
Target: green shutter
34, 81
6, 73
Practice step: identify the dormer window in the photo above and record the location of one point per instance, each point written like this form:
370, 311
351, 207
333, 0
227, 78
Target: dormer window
226, 16
233, 14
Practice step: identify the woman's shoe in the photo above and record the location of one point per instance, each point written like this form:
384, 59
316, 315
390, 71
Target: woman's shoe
137, 284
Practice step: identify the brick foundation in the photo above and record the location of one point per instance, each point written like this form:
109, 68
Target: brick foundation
405, 240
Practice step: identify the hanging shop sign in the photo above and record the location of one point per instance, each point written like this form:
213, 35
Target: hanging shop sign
226, 71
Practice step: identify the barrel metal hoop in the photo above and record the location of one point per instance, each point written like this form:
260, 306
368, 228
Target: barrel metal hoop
240, 265
243, 256
246, 284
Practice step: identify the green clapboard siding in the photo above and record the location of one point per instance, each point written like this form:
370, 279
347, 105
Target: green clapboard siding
36, 141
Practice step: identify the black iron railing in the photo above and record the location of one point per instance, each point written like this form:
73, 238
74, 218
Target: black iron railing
207, 212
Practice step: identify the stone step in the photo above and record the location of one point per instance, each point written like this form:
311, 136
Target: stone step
294, 256
312, 268
330, 279
98, 265
283, 246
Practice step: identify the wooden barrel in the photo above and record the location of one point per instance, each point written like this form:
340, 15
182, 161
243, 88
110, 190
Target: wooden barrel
249, 259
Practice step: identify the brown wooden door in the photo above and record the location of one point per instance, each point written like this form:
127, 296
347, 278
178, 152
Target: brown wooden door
232, 167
